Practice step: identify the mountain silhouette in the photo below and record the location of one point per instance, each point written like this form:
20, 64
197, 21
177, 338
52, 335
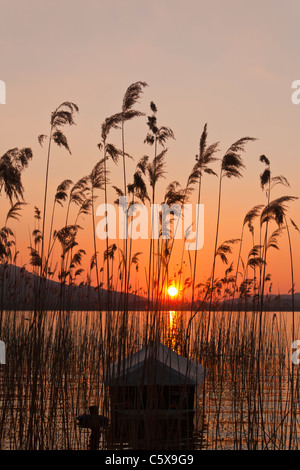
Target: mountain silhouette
19, 290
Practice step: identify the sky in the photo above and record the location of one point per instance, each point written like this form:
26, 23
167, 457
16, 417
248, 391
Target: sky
230, 64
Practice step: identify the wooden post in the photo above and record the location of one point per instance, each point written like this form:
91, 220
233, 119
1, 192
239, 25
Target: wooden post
95, 428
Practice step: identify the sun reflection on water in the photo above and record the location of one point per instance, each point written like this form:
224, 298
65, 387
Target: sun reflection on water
174, 330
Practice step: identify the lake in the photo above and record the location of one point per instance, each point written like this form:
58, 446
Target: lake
55, 364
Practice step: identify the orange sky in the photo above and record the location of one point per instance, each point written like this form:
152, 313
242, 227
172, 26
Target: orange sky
230, 64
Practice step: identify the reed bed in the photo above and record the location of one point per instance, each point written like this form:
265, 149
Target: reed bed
42, 395
57, 356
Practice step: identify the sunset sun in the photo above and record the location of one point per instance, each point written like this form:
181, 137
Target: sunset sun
172, 291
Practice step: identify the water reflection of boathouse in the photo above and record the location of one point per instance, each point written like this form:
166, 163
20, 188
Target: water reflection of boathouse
152, 396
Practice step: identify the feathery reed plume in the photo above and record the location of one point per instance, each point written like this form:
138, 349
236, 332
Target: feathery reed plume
204, 159
14, 211
12, 163
138, 191
61, 196
252, 214
109, 150
276, 210
6, 243
109, 254
63, 115
78, 194
231, 167
225, 248
130, 99
138, 188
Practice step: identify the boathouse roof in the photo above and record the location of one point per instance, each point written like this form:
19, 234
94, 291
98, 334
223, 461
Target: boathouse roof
155, 364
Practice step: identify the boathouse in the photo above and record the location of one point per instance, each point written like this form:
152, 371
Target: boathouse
154, 384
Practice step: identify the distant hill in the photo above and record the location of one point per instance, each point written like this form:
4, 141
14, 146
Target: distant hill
272, 303
18, 288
